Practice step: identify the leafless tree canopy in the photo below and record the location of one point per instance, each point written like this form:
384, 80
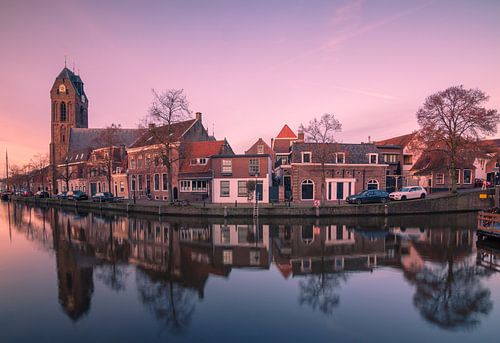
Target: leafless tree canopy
169, 107
322, 130
109, 140
454, 120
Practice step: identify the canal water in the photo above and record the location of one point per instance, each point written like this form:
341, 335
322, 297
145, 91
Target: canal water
84, 277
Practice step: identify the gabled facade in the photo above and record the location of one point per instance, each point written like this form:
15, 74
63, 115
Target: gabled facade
282, 143
147, 172
348, 168
234, 175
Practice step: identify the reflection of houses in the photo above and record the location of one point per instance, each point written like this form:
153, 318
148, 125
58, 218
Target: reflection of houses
241, 245
488, 254
310, 249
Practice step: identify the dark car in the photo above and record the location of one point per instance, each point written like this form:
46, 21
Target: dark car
103, 197
42, 194
62, 195
368, 196
77, 195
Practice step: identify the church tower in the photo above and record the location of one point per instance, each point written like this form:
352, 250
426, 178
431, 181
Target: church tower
69, 109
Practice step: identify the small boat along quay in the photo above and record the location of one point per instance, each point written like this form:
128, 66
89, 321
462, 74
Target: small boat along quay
473, 200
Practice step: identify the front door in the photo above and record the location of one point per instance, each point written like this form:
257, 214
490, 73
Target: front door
93, 188
340, 190
259, 190
287, 183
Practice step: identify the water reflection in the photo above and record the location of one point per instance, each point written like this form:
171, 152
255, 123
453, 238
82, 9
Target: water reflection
174, 258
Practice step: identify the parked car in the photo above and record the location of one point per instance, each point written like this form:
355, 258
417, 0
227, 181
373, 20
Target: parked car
42, 194
368, 196
26, 193
479, 183
103, 197
406, 193
62, 195
77, 195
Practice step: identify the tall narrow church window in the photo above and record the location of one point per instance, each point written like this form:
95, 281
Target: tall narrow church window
63, 111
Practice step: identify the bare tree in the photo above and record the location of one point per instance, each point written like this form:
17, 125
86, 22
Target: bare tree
66, 174
169, 107
453, 121
40, 163
109, 140
322, 132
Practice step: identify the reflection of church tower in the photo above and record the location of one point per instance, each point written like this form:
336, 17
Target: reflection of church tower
75, 280
69, 108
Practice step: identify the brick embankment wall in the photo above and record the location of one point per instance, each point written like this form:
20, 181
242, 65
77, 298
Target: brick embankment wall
462, 202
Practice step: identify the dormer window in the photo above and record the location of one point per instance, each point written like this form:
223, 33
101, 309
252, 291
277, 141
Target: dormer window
306, 157
373, 158
194, 161
340, 157
203, 160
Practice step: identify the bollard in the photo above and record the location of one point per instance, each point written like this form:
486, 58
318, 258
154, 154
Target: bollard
386, 209
225, 211
317, 211
236, 203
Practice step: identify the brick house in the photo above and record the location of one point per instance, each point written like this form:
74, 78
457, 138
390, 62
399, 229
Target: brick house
349, 169
232, 174
147, 172
281, 144
488, 163
195, 174
260, 147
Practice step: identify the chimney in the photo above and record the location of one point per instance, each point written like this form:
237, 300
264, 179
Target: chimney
198, 116
300, 136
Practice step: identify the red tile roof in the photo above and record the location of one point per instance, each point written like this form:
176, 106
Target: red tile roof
399, 140
151, 136
204, 149
286, 132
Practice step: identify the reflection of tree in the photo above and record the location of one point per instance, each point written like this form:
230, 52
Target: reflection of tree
171, 303
319, 290
451, 295
111, 273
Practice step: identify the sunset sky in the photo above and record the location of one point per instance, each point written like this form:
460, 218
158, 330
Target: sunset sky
249, 66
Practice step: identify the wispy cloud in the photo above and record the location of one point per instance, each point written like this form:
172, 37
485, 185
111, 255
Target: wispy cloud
367, 93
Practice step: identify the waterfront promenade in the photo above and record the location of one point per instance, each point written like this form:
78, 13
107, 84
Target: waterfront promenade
470, 200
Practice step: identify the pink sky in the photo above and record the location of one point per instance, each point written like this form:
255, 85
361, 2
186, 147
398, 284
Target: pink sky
249, 66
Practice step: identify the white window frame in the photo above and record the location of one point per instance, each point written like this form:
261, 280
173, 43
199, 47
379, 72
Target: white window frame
226, 166
337, 158
241, 195
307, 183
371, 182
470, 178
306, 153
438, 182
154, 182
185, 185
228, 189
370, 158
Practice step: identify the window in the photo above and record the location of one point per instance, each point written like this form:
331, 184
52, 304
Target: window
140, 182
227, 166
390, 158
457, 176
185, 185
164, 181
306, 157
373, 158
139, 162
224, 188
227, 257
199, 186
122, 186
194, 161
407, 160
307, 190
467, 176
203, 160
132, 163
372, 184
260, 149
253, 166
340, 157
440, 179
242, 189
157, 182
62, 110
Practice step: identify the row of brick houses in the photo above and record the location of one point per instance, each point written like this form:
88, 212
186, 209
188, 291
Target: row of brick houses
205, 169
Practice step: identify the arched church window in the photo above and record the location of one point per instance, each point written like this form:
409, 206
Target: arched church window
63, 111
